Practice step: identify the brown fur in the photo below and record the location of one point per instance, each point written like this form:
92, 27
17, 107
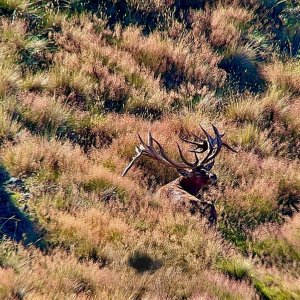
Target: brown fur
182, 193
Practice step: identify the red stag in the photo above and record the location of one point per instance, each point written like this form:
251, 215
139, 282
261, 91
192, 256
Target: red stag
184, 191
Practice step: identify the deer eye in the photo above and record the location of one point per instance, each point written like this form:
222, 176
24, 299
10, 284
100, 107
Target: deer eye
213, 177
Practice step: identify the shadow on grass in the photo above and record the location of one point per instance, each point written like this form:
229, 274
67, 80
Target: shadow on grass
243, 73
14, 223
143, 262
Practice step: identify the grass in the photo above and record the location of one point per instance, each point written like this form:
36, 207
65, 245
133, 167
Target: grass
285, 75
79, 81
8, 127
235, 268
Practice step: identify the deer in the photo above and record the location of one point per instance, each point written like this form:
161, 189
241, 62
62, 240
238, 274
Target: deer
195, 176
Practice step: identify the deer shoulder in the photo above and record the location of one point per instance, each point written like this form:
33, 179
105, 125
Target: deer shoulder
182, 200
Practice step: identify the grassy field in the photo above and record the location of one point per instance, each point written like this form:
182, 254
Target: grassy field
79, 80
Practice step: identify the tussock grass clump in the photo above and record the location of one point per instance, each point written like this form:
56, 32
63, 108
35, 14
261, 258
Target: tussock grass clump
251, 138
255, 196
30, 51
272, 114
284, 75
34, 82
235, 268
175, 63
10, 74
8, 127
8, 281
43, 113
9, 259
13, 34
270, 289
288, 198
67, 79
106, 187
226, 25
10, 6
40, 155
71, 233
279, 252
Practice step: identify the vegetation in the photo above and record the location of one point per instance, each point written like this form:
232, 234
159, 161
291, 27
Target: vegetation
79, 80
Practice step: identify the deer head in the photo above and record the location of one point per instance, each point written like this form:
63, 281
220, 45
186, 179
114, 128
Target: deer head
196, 174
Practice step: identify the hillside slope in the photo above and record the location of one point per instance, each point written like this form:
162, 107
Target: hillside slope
79, 80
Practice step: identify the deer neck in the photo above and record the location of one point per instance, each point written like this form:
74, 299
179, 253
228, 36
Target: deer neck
193, 184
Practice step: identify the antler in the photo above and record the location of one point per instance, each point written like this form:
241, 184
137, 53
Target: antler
212, 145
159, 155
202, 144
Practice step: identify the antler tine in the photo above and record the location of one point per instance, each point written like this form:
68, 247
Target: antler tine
196, 159
210, 144
198, 149
142, 142
164, 157
150, 139
139, 153
200, 139
197, 140
190, 142
229, 147
154, 154
218, 140
208, 137
145, 149
198, 145
192, 165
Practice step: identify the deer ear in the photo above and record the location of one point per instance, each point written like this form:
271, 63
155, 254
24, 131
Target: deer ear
210, 165
184, 173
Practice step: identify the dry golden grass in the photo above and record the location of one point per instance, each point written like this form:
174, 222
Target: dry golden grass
44, 111
8, 127
285, 75
225, 24
10, 74
32, 154
77, 88
13, 34
7, 282
163, 57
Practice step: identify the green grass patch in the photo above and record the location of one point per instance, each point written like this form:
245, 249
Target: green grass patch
135, 80
234, 268
9, 257
105, 189
71, 240
275, 251
178, 229
269, 288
